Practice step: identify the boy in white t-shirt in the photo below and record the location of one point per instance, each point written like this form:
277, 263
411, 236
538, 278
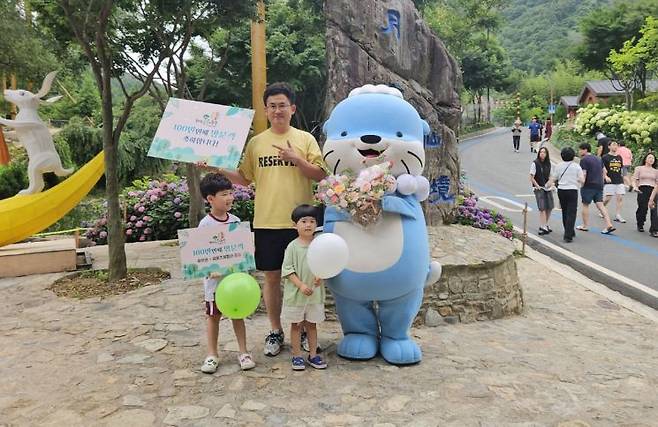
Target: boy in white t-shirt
217, 190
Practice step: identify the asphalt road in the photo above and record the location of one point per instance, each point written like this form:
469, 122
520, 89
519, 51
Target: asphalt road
500, 178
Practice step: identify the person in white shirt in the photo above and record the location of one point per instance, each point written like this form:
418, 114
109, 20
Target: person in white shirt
568, 177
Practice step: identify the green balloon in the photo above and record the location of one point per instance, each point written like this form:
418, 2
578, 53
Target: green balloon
237, 295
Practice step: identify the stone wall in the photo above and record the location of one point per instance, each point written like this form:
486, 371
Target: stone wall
479, 279
387, 42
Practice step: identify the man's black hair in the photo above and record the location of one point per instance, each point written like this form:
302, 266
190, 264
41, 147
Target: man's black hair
213, 183
279, 88
302, 211
585, 146
567, 154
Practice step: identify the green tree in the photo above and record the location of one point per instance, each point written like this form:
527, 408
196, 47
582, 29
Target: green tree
113, 35
24, 49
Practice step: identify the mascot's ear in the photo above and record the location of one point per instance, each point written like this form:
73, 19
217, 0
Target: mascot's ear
426, 128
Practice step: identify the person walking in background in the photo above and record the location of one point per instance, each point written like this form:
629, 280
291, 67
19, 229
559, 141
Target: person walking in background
516, 135
548, 129
592, 190
614, 182
535, 134
626, 162
645, 181
540, 174
568, 177
602, 144
653, 207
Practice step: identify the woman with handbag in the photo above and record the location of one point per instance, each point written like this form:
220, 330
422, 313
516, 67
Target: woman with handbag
568, 177
540, 174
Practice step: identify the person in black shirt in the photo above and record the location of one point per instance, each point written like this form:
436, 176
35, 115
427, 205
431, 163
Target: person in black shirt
603, 144
614, 181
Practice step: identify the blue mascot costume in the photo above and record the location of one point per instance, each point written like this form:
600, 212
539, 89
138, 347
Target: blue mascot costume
379, 289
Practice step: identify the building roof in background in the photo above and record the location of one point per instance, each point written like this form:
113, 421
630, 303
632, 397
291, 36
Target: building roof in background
607, 88
569, 101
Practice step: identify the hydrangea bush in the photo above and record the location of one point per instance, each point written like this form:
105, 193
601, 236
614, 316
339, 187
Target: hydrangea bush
156, 209
469, 214
639, 130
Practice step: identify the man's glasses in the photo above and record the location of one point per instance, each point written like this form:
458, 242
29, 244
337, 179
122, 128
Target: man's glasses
274, 107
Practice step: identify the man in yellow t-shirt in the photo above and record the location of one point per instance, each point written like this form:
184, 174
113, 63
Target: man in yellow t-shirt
282, 162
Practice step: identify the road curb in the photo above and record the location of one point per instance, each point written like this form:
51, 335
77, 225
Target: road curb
623, 291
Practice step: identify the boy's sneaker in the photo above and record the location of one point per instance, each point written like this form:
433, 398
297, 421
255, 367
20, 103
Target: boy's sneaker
273, 343
298, 363
317, 362
210, 365
246, 362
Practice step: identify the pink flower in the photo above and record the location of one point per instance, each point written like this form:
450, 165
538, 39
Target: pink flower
177, 201
129, 232
147, 218
141, 209
154, 198
142, 238
103, 234
133, 218
139, 224
177, 214
147, 231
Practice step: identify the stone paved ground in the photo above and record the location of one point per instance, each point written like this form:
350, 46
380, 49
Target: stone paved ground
574, 358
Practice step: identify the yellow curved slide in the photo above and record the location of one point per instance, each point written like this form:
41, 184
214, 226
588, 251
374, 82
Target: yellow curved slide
25, 215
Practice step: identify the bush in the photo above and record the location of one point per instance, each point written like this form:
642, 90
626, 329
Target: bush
469, 214
156, 209
638, 130
86, 141
564, 137
13, 177
87, 210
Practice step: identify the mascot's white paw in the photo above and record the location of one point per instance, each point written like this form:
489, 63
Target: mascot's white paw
422, 188
327, 255
406, 184
434, 274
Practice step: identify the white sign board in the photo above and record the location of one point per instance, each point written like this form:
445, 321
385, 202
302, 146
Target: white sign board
192, 131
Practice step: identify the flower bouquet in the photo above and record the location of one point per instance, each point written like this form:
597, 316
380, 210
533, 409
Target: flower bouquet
359, 196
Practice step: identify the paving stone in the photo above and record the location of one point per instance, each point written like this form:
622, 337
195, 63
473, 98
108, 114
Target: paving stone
153, 344
134, 359
252, 405
509, 372
227, 411
132, 418
177, 414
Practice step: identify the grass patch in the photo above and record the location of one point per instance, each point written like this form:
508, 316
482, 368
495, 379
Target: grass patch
95, 283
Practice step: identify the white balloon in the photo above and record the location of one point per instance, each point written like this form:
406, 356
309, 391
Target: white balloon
434, 273
327, 255
406, 184
422, 188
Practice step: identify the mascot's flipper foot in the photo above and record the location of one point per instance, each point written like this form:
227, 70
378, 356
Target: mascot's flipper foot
400, 352
357, 347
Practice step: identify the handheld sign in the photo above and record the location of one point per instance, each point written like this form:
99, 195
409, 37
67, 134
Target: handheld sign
192, 131
223, 249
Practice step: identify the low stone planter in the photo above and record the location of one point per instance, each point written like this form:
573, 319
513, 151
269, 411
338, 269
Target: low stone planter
479, 279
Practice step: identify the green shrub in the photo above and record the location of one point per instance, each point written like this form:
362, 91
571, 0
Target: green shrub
84, 140
156, 209
13, 178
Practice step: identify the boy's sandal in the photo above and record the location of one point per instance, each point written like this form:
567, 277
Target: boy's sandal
608, 230
210, 365
581, 228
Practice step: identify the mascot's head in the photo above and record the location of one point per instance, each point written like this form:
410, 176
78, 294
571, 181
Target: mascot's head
375, 124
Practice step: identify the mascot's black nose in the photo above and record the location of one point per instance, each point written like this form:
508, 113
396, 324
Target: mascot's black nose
371, 139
